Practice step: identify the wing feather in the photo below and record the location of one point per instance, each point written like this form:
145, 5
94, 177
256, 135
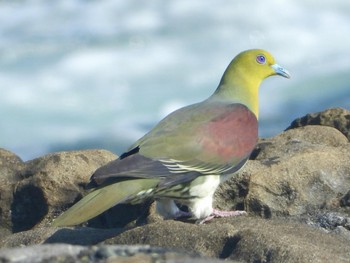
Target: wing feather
202, 139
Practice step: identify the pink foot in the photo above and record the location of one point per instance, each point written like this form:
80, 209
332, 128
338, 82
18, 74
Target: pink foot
219, 213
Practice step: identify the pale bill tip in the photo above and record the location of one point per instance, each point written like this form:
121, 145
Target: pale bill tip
280, 71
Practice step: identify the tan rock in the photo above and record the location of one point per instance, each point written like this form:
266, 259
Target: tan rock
52, 183
243, 238
10, 173
300, 171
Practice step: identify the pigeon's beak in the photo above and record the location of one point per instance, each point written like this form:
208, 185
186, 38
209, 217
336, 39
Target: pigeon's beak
280, 71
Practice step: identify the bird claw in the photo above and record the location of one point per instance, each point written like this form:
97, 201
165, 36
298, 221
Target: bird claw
219, 213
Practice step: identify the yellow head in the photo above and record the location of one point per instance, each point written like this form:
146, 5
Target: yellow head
243, 76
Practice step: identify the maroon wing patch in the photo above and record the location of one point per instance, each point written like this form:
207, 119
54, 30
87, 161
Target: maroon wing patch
231, 135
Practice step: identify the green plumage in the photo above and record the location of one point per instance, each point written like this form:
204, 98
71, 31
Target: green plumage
104, 198
187, 155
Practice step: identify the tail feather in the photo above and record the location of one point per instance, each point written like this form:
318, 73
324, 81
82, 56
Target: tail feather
102, 199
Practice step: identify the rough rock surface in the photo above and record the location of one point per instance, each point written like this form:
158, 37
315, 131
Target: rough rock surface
300, 172
10, 167
338, 118
246, 239
37, 190
295, 188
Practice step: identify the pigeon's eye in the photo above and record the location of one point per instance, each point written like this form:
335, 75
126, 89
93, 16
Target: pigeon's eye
261, 59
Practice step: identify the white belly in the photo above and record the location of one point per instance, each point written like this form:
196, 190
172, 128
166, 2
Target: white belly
201, 205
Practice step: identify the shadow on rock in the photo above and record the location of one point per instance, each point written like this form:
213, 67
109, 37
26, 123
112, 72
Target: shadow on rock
229, 246
84, 236
121, 215
29, 207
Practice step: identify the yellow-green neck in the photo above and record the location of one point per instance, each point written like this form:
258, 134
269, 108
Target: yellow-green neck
237, 87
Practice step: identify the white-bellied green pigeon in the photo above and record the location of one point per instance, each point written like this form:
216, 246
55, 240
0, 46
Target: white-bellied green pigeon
184, 158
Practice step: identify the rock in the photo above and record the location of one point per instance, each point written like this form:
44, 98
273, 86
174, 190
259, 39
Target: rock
333, 220
345, 200
338, 118
231, 194
81, 254
39, 235
243, 238
296, 174
52, 183
9, 165
330, 222
295, 188
10, 173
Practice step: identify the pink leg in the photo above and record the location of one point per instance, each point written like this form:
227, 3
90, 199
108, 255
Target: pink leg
219, 213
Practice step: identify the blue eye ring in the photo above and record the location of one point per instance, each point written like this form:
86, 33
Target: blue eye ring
261, 59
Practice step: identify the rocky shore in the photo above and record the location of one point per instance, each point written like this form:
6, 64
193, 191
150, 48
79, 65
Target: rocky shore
295, 188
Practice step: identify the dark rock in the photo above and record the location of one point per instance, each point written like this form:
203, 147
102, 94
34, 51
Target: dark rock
338, 118
345, 200
333, 220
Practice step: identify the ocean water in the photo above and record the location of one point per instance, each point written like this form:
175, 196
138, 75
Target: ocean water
99, 74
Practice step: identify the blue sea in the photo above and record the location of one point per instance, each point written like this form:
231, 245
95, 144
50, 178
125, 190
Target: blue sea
80, 74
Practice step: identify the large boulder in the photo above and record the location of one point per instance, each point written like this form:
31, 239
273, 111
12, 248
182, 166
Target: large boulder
300, 171
40, 189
